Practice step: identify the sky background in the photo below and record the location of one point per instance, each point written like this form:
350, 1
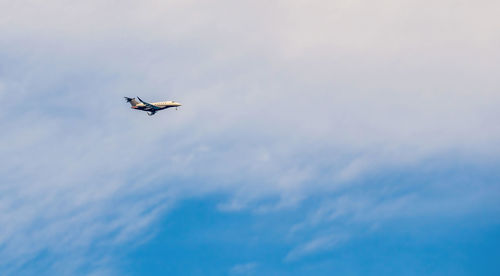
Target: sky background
315, 137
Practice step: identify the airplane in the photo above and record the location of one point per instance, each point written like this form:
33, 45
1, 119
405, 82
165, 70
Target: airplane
151, 108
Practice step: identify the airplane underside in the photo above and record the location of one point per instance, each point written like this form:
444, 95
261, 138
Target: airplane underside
151, 112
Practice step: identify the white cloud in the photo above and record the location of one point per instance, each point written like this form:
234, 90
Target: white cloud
282, 100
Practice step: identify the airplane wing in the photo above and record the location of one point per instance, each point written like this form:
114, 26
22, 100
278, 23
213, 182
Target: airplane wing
153, 107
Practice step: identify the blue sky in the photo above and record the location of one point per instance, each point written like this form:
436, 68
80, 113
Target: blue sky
316, 138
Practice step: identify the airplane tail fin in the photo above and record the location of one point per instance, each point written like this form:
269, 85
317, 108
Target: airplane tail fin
132, 101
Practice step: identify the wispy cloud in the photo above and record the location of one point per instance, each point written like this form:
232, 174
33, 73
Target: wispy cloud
314, 246
243, 269
308, 100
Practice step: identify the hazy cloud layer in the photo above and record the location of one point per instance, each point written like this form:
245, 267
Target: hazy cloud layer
283, 101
